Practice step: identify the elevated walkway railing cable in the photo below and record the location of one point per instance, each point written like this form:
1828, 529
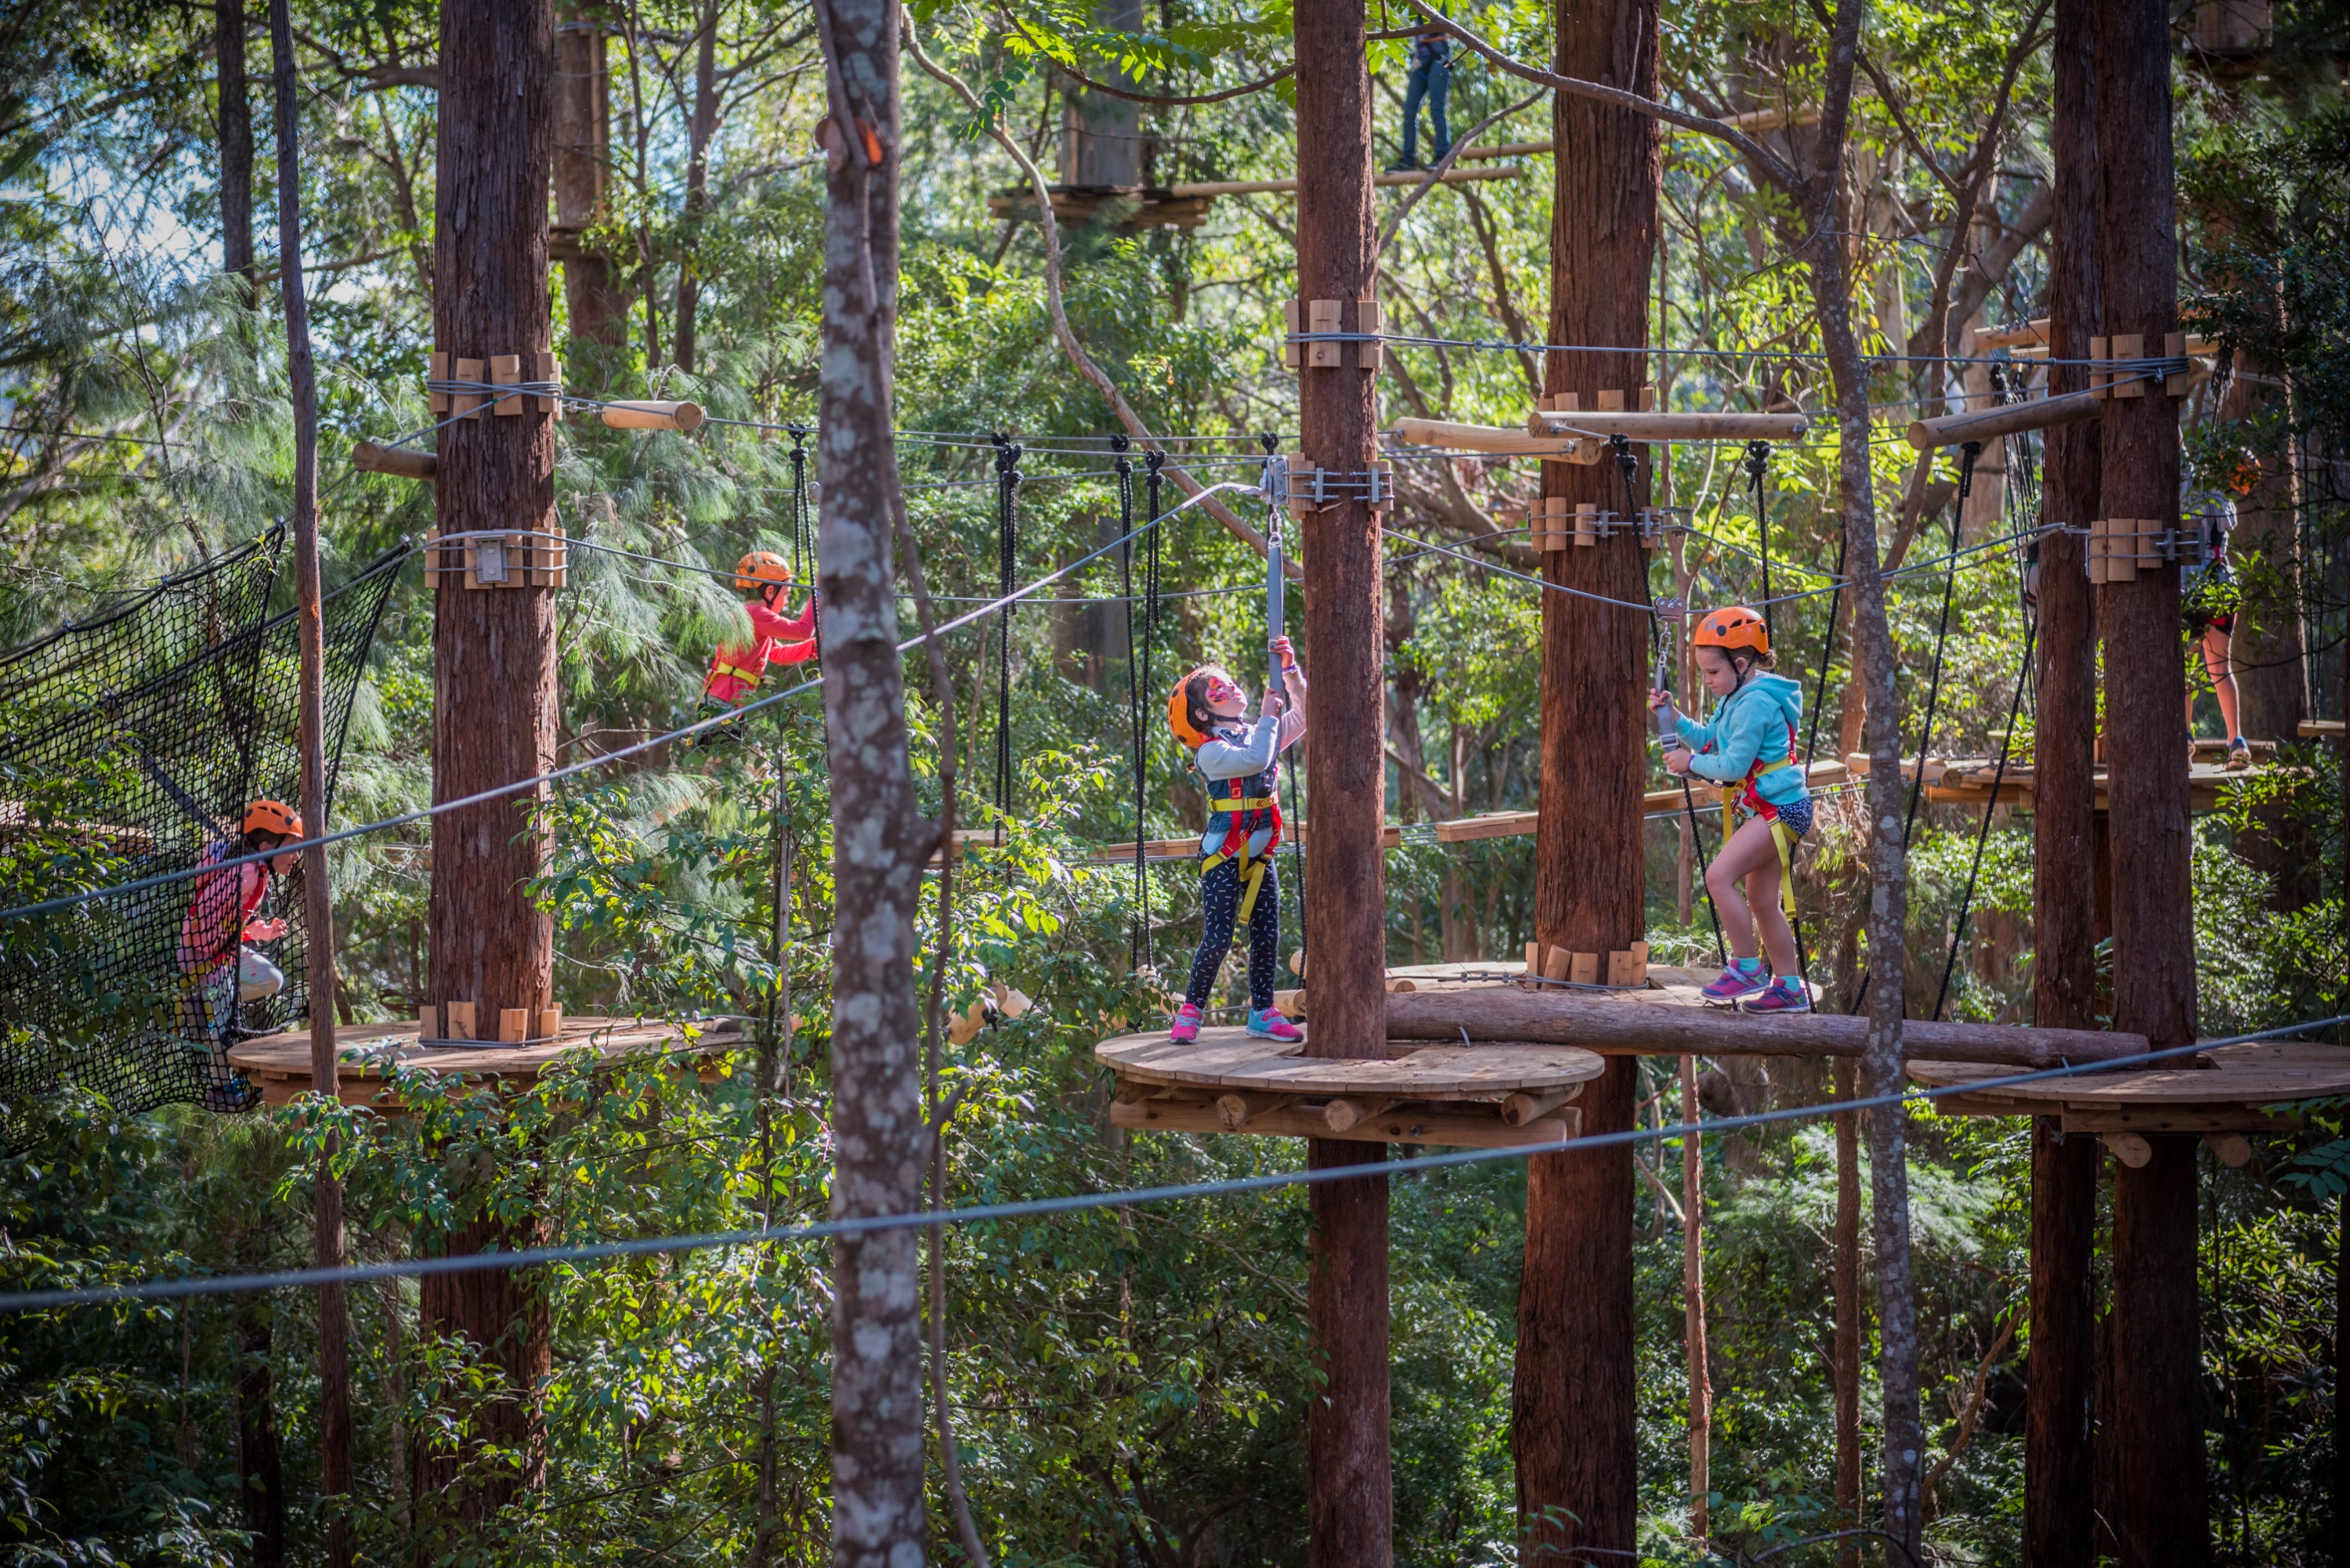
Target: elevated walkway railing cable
1039, 1207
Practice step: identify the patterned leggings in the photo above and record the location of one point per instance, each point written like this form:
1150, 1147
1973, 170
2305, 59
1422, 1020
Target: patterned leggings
1220, 904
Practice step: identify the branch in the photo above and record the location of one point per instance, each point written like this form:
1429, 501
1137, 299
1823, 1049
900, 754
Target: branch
1459, 144
1062, 331
1067, 69
1762, 158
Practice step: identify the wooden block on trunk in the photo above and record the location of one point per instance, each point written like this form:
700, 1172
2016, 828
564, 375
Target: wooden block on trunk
1370, 316
546, 367
2101, 380
1586, 970
1586, 524
1626, 967
1558, 964
550, 1023
2174, 346
1322, 316
457, 1020
436, 369
513, 1025
506, 370
2129, 346
1611, 400
428, 1023
1292, 354
466, 402
1648, 399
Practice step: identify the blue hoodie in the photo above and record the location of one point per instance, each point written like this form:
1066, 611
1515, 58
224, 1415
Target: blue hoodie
1755, 720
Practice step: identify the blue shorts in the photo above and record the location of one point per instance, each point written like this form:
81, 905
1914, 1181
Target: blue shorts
1798, 816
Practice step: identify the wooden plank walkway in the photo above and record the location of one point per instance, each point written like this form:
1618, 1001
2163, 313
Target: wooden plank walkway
279, 1064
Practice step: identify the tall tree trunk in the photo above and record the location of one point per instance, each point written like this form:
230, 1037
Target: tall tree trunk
881, 839
2157, 1382
583, 152
2059, 1448
318, 907
1573, 1416
1693, 1336
260, 1472
235, 120
1349, 1501
699, 131
494, 712
1849, 1308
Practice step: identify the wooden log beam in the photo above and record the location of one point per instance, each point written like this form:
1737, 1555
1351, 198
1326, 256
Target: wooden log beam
1275, 187
1641, 425
1461, 1128
1497, 439
646, 415
2007, 419
1499, 1015
397, 461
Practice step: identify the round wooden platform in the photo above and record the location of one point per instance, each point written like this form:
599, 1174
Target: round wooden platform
279, 1064
2234, 1094
1475, 1096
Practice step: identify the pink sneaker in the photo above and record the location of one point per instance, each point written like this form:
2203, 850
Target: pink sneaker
1743, 977
1186, 1025
1784, 995
1271, 1025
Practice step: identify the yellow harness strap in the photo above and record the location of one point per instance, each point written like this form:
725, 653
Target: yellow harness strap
1779, 834
751, 676
1252, 871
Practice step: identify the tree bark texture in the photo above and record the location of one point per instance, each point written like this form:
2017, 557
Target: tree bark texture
1693, 1336
234, 114
1881, 1072
2161, 1513
317, 893
880, 839
2163, 1510
2059, 1436
503, 1313
699, 130
1573, 1401
260, 1470
494, 713
1350, 1489
583, 150
1849, 1307
2059, 1439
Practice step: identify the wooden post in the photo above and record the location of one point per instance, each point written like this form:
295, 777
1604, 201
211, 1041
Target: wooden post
494, 649
317, 893
880, 839
1573, 1410
2163, 1515
2059, 1450
1350, 1497
583, 135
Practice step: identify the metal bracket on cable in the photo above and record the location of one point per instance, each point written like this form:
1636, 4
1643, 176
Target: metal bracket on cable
1304, 488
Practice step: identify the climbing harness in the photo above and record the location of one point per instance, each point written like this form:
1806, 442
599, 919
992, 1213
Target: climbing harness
1007, 546
1240, 809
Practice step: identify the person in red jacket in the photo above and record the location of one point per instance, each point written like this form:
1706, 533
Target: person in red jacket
736, 671
221, 972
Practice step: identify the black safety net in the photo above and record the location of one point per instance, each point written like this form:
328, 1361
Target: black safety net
130, 746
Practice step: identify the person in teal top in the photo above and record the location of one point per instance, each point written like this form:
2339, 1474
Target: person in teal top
1749, 751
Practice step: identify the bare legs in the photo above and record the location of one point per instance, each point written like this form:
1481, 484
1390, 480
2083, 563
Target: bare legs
2220, 664
1752, 855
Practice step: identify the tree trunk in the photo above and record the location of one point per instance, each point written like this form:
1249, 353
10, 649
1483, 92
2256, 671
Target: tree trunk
493, 647
1693, 1338
881, 839
261, 1476
235, 120
318, 894
2059, 1448
2156, 1358
583, 152
1848, 1310
1573, 1416
1349, 1498
699, 130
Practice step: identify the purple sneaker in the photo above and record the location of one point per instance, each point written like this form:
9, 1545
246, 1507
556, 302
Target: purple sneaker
1743, 977
1784, 995
1186, 1025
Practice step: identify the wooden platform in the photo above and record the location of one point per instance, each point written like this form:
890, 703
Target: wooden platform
1967, 781
2239, 1091
279, 1064
1471, 1097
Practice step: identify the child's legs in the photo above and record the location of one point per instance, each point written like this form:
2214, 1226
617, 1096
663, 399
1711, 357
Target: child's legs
1220, 903
2219, 662
1265, 939
256, 977
1752, 857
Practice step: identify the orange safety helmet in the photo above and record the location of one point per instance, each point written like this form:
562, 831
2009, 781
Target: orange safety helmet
272, 816
1732, 628
761, 566
1178, 709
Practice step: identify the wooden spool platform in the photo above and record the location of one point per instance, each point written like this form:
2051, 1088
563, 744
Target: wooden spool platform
1967, 781
279, 1064
2236, 1092
1511, 1096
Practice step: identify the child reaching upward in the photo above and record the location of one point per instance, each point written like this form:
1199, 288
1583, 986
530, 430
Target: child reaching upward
1750, 749
1241, 761
736, 672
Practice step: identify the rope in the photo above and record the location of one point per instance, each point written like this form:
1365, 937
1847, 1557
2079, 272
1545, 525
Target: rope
1153, 479
1139, 936
1007, 547
1757, 464
1982, 835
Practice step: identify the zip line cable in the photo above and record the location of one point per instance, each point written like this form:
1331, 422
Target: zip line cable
500, 792
1034, 1208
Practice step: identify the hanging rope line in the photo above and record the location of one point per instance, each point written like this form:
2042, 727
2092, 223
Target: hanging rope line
1152, 464
1139, 933
1007, 547
1982, 835
1080, 1202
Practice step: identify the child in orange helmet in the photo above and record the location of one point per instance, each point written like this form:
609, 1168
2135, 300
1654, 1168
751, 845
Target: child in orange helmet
222, 973
1748, 749
735, 672
1238, 882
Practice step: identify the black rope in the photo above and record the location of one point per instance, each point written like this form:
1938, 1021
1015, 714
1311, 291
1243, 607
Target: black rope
1758, 464
1007, 546
1124, 467
1270, 441
1982, 835
1152, 464
1758, 460
804, 537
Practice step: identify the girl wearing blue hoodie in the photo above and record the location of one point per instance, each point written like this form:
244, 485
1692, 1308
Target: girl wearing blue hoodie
1750, 751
